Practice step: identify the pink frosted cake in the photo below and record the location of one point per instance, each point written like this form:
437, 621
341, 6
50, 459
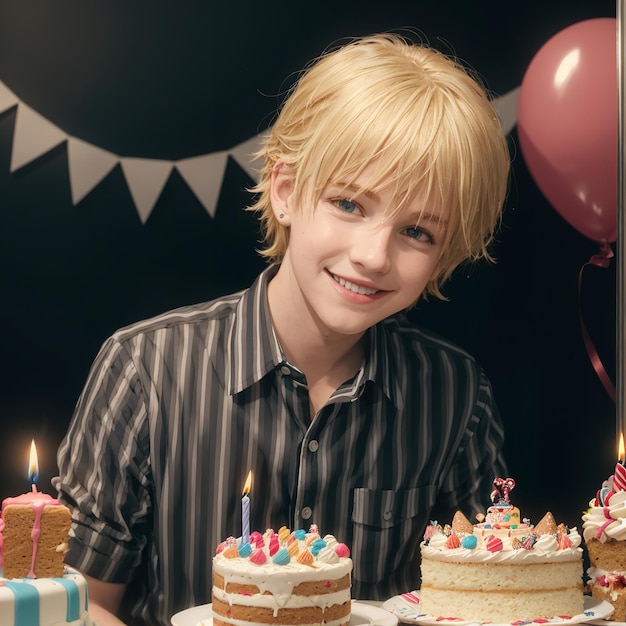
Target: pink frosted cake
502, 569
36, 589
285, 578
604, 531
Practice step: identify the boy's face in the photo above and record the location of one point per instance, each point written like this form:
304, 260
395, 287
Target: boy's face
348, 265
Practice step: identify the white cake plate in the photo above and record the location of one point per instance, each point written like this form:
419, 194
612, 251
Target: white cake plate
406, 608
362, 615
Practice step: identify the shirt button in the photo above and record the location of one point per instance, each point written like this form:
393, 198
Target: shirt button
387, 515
314, 445
285, 370
306, 512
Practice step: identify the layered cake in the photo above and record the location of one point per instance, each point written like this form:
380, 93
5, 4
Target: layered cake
502, 569
283, 577
36, 589
604, 531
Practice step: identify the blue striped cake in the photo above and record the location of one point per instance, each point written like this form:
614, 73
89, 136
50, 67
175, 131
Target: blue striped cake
44, 601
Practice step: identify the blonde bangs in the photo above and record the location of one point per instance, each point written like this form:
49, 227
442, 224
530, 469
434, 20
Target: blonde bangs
413, 114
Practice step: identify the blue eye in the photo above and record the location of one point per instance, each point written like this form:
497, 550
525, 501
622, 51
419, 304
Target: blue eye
346, 205
419, 234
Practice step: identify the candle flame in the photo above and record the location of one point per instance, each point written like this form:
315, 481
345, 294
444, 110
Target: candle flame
248, 485
33, 464
621, 452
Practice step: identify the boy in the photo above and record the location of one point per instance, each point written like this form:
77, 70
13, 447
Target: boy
385, 169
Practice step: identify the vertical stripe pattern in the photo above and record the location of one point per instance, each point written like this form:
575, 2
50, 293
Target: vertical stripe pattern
177, 409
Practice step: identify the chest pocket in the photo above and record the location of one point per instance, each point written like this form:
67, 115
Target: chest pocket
387, 528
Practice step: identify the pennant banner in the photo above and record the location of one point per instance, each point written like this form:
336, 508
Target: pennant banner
88, 165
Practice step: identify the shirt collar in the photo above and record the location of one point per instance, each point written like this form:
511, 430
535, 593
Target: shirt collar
379, 366
256, 351
254, 348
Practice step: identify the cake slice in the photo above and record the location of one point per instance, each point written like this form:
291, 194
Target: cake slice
35, 538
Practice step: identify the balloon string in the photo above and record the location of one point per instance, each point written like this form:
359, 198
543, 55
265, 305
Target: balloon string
601, 259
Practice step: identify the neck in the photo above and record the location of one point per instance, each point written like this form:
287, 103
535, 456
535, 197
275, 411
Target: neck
327, 359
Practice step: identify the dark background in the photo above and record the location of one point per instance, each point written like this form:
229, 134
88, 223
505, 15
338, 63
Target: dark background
171, 80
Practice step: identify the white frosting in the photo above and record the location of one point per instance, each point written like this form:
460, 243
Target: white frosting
52, 599
543, 551
608, 522
276, 582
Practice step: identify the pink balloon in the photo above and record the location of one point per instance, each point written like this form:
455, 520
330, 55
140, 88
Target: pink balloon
567, 125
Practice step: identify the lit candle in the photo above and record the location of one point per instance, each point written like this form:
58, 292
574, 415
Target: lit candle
34, 499
619, 478
33, 467
245, 510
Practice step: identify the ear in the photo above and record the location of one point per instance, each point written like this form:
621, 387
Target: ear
281, 184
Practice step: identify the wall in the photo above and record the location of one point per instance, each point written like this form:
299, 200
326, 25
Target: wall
170, 80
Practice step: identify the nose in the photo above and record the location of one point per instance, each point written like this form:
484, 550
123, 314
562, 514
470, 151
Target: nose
371, 249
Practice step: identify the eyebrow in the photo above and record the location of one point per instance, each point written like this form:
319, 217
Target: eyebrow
418, 216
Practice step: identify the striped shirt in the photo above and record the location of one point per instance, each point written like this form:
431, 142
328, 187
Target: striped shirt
177, 409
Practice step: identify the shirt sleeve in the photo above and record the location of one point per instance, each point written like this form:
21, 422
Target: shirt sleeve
104, 470
479, 458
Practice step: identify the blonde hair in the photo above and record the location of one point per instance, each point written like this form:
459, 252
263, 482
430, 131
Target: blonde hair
425, 122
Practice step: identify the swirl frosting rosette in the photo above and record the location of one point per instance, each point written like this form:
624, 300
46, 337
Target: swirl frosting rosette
606, 517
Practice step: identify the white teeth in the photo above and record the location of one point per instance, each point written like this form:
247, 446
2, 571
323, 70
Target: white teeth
355, 288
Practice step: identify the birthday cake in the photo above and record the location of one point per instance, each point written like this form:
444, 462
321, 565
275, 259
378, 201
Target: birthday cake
502, 569
287, 578
604, 532
36, 589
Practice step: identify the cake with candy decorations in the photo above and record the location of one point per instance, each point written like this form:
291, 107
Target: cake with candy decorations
36, 589
285, 577
503, 568
604, 532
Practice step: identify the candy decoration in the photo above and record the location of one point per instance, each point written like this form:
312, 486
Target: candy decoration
497, 495
314, 529
603, 495
453, 542
469, 543
273, 545
281, 557
258, 557
460, 524
494, 544
564, 541
516, 544
507, 487
231, 552
305, 557
342, 550
293, 549
431, 529
529, 542
256, 539
299, 534
619, 478
245, 550
547, 525
283, 534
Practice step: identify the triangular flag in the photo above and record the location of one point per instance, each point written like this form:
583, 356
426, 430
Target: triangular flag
204, 175
7, 98
87, 165
244, 154
33, 136
506, 107
146, 179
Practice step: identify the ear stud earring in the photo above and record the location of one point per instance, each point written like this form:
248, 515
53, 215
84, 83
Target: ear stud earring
280, 217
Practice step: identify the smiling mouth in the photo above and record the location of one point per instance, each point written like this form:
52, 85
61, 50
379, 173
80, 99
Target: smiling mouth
366, 291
